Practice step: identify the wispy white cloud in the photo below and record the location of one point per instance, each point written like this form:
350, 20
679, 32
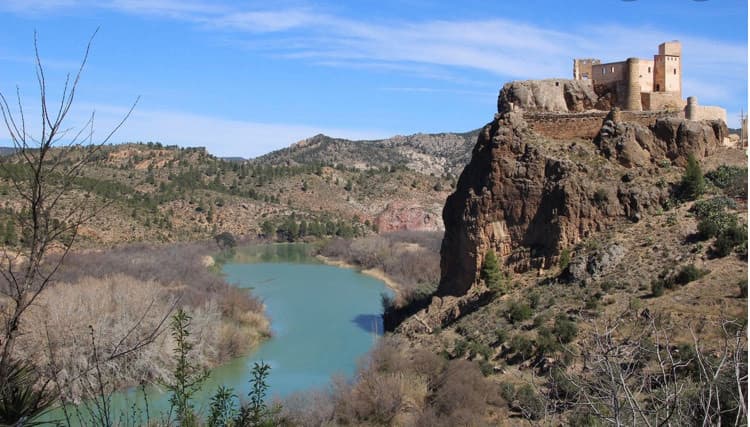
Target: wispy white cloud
439, 49
714, 70
265, 21
36, 6
478, 93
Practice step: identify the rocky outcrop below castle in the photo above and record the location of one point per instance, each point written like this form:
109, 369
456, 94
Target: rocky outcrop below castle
553, 95
636, 145
527, 197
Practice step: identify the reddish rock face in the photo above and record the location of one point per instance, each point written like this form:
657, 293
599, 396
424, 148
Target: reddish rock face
527, 200
398, 216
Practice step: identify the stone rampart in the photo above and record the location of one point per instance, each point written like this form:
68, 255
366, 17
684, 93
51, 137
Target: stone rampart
711, 113
662, 101
566, 125
586, 125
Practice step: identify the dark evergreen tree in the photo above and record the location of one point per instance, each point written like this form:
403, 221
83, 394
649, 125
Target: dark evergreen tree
692, 185
491, 273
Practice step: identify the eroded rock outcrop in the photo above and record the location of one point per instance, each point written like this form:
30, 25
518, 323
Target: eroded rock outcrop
527, 196
635, 145
526, 200
518, 200
553, 95
399, 216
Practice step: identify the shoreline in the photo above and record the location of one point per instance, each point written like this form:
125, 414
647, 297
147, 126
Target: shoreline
375, 273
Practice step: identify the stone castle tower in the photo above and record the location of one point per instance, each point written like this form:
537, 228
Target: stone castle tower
639, 84
668, 68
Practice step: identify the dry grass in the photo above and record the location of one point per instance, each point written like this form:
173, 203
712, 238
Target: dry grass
69, 321
108, 315
109, 301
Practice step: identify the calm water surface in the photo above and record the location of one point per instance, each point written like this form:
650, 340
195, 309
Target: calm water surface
323, 320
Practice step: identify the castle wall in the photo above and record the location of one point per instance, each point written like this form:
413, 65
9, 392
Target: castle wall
582, 68
710, 113
609, 73
646, 75
662, 101
566, 126
587, 125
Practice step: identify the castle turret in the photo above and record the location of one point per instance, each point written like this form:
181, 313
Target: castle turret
633, 96
691, 109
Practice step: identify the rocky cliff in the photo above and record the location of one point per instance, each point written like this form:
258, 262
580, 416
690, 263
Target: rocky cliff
553, 95
398, 216
527, 197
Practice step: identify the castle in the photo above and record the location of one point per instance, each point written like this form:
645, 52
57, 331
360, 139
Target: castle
645, 85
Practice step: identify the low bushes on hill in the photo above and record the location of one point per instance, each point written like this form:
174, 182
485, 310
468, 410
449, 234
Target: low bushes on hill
682, 277
715, 221
692, 184
731, 179
688, 274
518, 312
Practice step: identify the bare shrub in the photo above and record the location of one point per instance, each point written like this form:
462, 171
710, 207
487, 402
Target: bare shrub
398, 387
115, 313
635, 376
179, 269
462, 393
308, 408
412, 259
119, 311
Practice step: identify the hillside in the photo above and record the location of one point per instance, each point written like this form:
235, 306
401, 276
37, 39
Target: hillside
588, 277
150, 192
432, 154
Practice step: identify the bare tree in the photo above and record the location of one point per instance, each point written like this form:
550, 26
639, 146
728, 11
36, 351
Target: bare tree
723, 373
632, 374
43, 172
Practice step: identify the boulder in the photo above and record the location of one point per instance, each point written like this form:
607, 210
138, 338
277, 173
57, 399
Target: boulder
553, 95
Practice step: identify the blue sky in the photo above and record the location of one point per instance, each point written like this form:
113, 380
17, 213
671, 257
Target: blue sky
245, 77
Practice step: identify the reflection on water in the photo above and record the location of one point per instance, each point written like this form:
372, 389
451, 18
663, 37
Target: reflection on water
372, 323
295, 253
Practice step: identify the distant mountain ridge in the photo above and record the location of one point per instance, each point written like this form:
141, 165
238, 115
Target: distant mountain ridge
437, 154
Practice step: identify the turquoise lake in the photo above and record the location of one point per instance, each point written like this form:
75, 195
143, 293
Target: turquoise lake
324, 319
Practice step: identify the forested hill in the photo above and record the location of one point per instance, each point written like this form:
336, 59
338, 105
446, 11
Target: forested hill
167, 193
437, 154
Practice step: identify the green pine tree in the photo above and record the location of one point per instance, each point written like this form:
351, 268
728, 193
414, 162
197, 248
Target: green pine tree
692, 185
491, 273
